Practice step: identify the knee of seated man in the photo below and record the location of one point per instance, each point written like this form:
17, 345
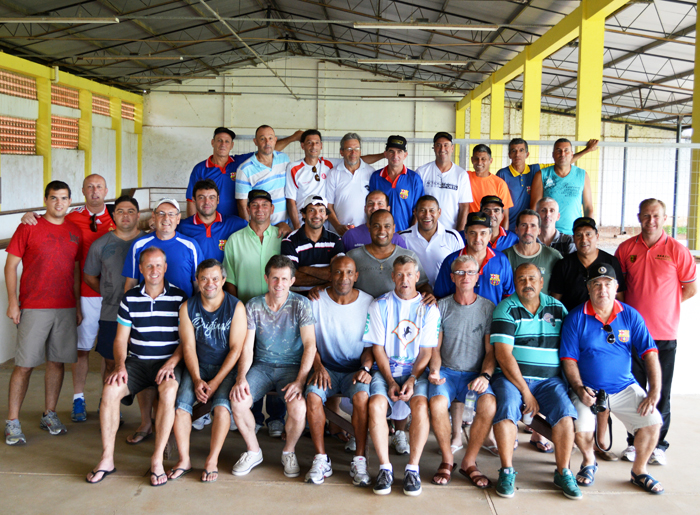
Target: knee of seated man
297, 408
359, 399
486, 404
438, 403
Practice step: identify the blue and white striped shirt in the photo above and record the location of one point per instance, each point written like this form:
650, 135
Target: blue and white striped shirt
253, 175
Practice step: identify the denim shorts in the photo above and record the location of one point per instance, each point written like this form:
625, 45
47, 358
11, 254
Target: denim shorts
551, 394
265, 377
341, 383
456, 385
379, 386
185, 393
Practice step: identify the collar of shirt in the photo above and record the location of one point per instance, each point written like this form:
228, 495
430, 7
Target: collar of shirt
301, 234
384, 174
166, 289
198, 221
269, 232
341, 167
210, 164
557, 236
489, 254
501, 233
417, 234
617, 308
515, 173
83, 210
660, 241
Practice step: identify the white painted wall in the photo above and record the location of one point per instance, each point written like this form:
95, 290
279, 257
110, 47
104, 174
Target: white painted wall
22, 181
69, 166
130, 172
104, 152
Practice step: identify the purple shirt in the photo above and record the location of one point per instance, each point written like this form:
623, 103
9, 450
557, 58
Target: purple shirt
360, 236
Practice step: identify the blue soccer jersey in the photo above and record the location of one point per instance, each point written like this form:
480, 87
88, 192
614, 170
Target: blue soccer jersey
519, 185
224, 178
506, 239
211, 238
403, 194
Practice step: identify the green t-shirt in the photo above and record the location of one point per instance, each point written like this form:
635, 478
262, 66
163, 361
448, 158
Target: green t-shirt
545, 260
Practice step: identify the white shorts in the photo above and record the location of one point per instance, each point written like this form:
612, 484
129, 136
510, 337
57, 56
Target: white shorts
87, 330
400, 411
623, 405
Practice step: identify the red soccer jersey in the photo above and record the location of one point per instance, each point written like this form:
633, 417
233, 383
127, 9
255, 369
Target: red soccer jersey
48, 255
654, 277
81, 217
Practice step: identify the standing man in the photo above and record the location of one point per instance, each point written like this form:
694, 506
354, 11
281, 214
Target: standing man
566, 183
501, 239
208, 226
429, 239
47, 313
341, 367
526, 332
183, 252
402, 331
529, 250
212, 330
278, 354
659, 271
147, 353
447, 182
484, 183
358, 236
402, 186
548, 209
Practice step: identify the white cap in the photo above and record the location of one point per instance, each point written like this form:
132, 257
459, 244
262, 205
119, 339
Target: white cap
316, 200
170, 201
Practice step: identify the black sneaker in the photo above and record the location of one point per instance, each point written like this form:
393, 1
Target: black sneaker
384, 481
411, 483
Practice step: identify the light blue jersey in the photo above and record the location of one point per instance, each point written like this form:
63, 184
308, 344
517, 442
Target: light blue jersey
568, 192
253, 175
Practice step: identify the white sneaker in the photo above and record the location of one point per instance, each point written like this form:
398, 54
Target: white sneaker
658, 457
247, 462
199, 424
233, 427
275, 428
358, 471
629, 454
400, 442
351, 445
320, 470
291, 465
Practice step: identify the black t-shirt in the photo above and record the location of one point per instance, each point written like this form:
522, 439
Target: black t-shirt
569, 278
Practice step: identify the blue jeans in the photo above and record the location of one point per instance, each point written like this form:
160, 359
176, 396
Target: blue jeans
185, 393
456, 385
379, 386
341, 383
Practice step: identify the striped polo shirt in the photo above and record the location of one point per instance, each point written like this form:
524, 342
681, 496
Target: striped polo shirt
535, 338
153, 322
305, 252
253, 175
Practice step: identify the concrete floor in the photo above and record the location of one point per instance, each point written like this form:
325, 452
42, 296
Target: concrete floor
48, 474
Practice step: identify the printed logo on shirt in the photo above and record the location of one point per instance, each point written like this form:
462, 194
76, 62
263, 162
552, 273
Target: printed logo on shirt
663, 257
112, 228
233, 176
74, 239
549, 318
528, 189
367, 324
549, 183
623, 335
495, 279
404, 194
222, 244
406, 332
633, 258
542, 270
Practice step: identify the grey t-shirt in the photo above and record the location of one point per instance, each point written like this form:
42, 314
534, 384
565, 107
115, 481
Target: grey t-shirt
464, 328
545, 260
106, 260
375, 274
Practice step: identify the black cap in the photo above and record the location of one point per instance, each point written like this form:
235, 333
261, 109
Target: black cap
219, 130
253, 194
396, 142
445, 135
585, 221
601, 270
478, 219
491, 199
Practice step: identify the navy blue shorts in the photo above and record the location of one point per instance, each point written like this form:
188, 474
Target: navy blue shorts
106, 334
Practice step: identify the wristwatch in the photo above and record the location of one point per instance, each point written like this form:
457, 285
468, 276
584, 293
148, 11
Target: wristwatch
365, 369
413, 376
487, 376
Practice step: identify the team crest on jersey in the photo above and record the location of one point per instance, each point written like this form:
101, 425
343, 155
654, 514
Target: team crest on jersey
404, 194
528, 189
549, 318
623, 335
406, 332
495, 279
233, 176
222, 244
633, 258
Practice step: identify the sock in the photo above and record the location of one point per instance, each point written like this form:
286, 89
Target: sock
79, 396
284, 453
413, 468
324, 456
386, 467
358, 458
14, 421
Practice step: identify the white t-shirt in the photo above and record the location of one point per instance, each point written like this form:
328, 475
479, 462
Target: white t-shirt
432, 253
301, 180
402, 327
450, 189
347, 192
339, 330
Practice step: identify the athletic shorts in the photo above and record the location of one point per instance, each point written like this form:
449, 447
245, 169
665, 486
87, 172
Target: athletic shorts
142, 374
105, 339
87, 330
46, 334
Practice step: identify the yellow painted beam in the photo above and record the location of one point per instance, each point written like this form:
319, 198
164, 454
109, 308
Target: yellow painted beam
85, 128
115, 112
474, 121
460, 121
138, 130
498, 91
694, 209
43, 125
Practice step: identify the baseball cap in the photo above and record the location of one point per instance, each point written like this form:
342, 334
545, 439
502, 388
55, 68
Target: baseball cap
601, 270
445, 135
219, 130
396, 142
491, 199
478, 219
316, 200
585, 221
170, 201
253, 194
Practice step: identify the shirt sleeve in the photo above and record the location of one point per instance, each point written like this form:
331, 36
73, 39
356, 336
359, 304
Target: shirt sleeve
621, 282
131, 269
508, 282
375, 332
685, 264
305, 312
287, 249
123, 315
197, 258
290, 186
621, 258
190, 186
505, 194
569, 343
374, 181
465, 189
250, 313
228, 262
243, 184
18, 243
330, 186
339, 247
641, 339
489, 317
93, 264
431, 328
398, 240
443, 284
503, 325
556, 282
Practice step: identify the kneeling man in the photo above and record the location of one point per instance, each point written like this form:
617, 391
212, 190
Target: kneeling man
597, 342
212, 331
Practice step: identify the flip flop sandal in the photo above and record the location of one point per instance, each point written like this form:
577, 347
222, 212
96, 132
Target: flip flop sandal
105, 473
646, 482
443, 475
544, 447
208, 474
174, 471
468, 474
493, 449
141, 435
453, 448
158, 476
588, 473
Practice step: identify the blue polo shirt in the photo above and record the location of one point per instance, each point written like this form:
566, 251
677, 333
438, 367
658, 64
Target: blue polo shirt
211, 238
182, 253
495, 277
224, 178
403, 194
519, 185
604, 365
505, 240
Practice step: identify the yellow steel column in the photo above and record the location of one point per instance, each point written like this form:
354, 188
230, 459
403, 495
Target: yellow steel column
115, 111
43, 125
474, 122
694, 206
138, 130
498, 90
85, 128
532, 101
589, 91
460, 121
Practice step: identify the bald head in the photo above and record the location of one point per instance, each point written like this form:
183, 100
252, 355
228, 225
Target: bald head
95, 191
343, 277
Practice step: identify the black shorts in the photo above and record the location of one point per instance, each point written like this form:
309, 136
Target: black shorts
105, 339
142, 374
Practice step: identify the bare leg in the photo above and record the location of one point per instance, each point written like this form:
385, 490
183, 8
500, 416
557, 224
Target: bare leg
107, 368
245, 421
165, 416
441, 427
182, 429
80, 371
420, 428
378, 427
333, 404
563, 438
317, 421
296, 421
219, 429
19, 382
360, 421
584, 442
485, 410
53, 381
506, 432
146, 399
400, 425
645, 440
109, 423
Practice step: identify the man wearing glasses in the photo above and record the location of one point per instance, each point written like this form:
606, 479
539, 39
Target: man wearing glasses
183, 253
596, 353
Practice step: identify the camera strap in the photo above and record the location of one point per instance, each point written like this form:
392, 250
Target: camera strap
595, 436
